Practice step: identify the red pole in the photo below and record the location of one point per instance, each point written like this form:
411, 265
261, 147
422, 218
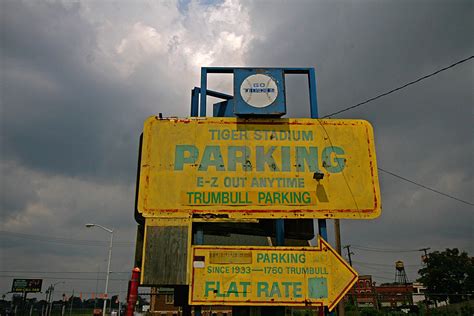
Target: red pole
132, 294
321, 311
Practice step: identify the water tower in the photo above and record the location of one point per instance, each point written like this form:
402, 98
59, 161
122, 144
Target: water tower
400, 274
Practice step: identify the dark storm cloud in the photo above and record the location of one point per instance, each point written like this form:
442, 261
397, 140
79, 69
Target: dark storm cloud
371, 47
71, 118
61, 114
359, 49
423, 132
17, 190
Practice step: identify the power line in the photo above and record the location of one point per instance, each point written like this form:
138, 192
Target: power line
384, 264
400, 87
382, 277
63, 278
66, 241
375, 249
425, 187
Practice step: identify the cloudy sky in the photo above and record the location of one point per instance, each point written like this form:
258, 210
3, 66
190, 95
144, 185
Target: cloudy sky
78, 79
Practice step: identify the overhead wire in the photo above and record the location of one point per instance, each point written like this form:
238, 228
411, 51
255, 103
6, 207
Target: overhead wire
343, 172
375, 249
66, 241
426, 187
395, 90
64, 278
400, 87
384, 264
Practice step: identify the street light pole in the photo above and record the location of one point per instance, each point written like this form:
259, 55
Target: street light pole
108, 273
108, 264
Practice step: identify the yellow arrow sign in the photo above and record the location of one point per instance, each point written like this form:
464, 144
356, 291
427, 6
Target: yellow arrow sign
298, 276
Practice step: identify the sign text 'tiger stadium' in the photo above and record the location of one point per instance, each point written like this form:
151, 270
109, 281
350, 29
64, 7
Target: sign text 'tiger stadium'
261, 168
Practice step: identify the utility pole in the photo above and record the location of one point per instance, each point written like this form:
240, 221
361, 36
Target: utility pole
426, 253
337, 230
72, 302
120, 300
349, 253
51, 289
63, 308
425, 262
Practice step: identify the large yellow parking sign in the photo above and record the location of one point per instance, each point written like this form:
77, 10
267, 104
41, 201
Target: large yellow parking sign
258, 168
232, 275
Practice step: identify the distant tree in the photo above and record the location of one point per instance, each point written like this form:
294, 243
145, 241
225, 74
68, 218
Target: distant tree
93, 302
448, 275
75, 301
114, 301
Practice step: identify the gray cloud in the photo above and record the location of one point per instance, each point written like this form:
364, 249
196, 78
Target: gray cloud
422, 132
79, 79
17, 191
61, 114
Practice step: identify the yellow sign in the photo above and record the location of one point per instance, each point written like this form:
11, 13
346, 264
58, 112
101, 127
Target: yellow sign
258, 168
269, 276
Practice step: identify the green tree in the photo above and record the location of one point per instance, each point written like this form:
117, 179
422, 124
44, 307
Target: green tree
448, 275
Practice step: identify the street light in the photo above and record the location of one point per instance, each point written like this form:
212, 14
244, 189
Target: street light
108, 264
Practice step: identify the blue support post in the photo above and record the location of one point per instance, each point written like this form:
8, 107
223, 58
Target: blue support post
313, 100
199, 109
199, 237
322, 229
313, 94
203, 91
195, 101
200, 233
280, 232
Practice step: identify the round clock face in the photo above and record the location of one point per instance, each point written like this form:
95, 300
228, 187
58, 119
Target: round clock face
259, 90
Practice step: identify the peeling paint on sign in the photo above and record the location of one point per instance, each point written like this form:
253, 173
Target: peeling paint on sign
271, 276
258, 168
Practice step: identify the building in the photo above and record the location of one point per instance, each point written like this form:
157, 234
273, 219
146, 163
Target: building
395, 295
418, 292
363, 292
366, 294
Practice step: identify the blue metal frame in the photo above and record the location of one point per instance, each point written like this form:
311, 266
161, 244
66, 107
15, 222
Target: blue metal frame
199, 109
202, 105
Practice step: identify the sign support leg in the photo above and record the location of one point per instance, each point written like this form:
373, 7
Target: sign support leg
280, 232
280, 241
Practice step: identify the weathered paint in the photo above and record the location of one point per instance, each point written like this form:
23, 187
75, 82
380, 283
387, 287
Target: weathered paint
258, 168
163, 222
269, 275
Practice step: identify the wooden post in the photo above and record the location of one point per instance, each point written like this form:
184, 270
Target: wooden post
153, 299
